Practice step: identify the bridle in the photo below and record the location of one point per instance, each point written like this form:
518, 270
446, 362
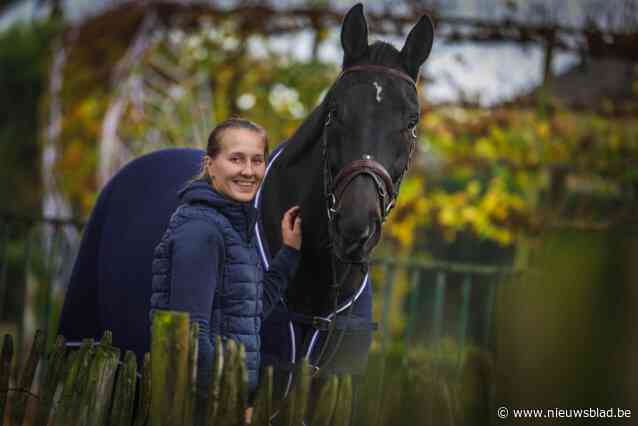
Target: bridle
387, 189
334, 188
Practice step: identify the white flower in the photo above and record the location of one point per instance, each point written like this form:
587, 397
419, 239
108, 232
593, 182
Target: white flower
246, 101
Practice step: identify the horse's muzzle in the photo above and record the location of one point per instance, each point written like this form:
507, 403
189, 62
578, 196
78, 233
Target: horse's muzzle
356, 247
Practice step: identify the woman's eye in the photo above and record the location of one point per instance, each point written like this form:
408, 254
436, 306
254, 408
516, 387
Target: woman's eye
235, 160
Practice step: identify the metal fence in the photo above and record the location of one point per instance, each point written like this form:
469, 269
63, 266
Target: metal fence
437, 300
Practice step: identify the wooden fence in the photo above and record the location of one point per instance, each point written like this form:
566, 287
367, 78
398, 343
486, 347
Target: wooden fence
93, 386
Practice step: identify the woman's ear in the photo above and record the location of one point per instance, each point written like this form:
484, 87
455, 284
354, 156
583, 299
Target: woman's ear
208, 167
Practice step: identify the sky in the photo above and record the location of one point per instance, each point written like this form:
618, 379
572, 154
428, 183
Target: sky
486, 73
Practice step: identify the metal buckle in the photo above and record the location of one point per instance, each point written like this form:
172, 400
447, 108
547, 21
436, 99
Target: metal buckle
331, 201
390, 206
315, 371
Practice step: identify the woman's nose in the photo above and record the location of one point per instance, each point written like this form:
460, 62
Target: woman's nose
248, 169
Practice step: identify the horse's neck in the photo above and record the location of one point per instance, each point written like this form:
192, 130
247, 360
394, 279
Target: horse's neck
315, 287
312, 290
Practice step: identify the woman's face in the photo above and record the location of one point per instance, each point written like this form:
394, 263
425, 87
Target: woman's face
240, 165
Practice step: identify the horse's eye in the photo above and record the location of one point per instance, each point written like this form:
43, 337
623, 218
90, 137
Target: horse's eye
412, 123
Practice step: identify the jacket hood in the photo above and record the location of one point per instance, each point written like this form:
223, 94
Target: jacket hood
241, 216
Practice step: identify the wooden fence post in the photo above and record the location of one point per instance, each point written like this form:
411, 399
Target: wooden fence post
214, 388
58, 407
55, 368
5, 372
325, 408
191, 389
21, 398
302, 389
67, 404
295, 406
144, 400
169, 367
242, 386
228, 398
101, 381
80, 386
124, 396
343, 409
263, 403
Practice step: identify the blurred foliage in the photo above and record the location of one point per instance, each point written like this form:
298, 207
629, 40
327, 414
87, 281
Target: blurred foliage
494, 173
429, 385
23, 68
185, 82
190, 80
565, 334
24, 61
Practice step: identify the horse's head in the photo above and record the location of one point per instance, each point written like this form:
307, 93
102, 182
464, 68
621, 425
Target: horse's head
370, 132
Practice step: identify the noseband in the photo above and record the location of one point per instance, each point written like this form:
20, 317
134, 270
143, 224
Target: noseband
387, 189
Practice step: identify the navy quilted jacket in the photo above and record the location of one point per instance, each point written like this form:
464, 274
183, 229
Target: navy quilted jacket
207, 264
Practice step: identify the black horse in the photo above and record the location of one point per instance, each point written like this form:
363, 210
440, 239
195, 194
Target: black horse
343, 166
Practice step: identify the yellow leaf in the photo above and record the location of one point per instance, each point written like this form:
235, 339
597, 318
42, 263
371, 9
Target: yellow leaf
484, 148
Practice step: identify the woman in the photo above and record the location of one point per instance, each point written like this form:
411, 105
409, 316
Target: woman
207, 261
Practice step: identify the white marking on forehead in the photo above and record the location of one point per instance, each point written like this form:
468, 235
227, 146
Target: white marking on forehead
379, 90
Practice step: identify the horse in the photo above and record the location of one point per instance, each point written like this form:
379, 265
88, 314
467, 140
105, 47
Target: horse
344, 167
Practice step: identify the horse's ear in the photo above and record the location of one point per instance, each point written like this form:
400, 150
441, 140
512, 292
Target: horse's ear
417, 46
354, 35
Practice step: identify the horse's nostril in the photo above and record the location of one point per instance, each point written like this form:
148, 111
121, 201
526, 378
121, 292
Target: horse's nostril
353, 243
356, 237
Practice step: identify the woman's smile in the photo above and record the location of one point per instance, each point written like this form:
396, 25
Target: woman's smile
245, 185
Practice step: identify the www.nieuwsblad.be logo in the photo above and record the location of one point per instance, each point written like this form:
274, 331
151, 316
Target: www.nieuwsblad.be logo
564, 413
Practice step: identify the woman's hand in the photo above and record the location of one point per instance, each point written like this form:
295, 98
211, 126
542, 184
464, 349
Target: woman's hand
291, 228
